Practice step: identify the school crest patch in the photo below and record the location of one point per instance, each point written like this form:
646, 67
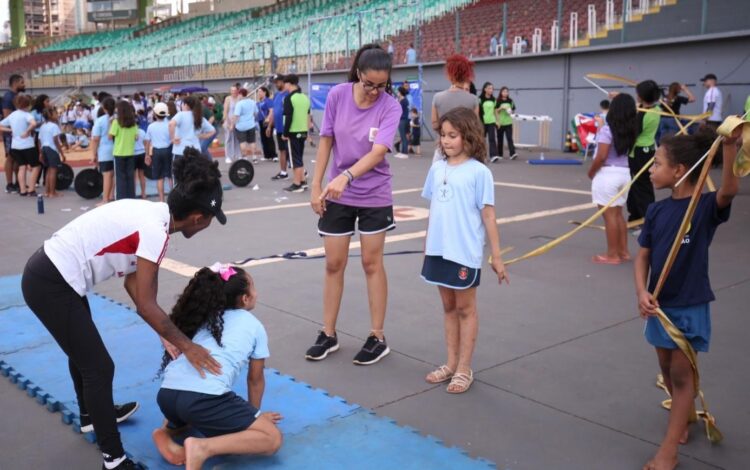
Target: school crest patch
463, 273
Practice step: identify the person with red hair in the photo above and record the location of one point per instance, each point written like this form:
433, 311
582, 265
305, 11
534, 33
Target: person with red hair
460, 73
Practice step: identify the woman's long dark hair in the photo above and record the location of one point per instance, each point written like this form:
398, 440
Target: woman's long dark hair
371, 57
195, 106
38, 105
107, 106
203, 303
125, 114
622, 122
483, 97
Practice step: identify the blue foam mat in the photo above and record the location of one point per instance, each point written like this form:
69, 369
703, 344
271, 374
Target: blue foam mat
317, 427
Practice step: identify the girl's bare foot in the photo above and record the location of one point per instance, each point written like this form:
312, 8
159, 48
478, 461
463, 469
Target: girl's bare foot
195, 453
625, 257
685, 436
169, 449
101, 203
663, 460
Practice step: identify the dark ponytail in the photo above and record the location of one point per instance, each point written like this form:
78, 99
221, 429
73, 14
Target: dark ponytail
194, 174
203, 303
195, 105
371, 57
107, 106
622, 122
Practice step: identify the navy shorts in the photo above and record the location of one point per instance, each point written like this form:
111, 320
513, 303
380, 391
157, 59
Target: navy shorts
442, 272
694, 322
106, 166
297, 146
51, 157
7, 141
140, 161
247, 136
338, 220
161, 163
280, 142
211, 415
28, 156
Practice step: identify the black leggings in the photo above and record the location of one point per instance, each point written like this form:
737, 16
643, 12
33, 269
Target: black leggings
67, 316
506, 131
641, 193
490, 130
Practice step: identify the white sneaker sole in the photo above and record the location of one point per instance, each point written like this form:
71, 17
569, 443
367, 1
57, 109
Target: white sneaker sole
382, 355
325, 354
90, 427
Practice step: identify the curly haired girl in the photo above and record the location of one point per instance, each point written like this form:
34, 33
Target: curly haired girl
214, 311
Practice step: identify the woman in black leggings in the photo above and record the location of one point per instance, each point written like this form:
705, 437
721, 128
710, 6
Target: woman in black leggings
128, 239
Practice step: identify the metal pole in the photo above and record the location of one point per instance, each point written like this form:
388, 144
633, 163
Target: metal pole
505, 22
566, 96
624, 20
559, 11
457, 40
704, 15
359, 28
309, 61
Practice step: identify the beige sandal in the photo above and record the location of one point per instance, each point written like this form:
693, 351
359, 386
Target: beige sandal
460, 382
439, 375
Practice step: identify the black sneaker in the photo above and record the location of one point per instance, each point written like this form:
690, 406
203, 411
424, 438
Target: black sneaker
495, 159
373, 351
323, 345
514, 156
9, 188
295, 188
280, 176
304, 183
126, 464
122, 412
16, 188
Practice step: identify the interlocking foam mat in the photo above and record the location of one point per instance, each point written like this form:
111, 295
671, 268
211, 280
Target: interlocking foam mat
320, 431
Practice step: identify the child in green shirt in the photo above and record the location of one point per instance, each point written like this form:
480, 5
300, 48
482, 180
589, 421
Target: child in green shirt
642, 191
124, 132
504, 108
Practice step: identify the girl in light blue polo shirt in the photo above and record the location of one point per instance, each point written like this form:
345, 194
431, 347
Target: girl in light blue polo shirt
214, 311
103, 147
462, 209
188, 127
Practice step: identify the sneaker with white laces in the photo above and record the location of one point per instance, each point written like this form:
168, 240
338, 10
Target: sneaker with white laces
374, 350
122, 412
280, 176
324, 345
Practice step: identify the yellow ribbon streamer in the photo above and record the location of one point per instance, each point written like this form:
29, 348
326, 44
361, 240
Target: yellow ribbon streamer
741, 166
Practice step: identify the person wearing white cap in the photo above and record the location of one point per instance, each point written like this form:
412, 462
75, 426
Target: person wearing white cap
159, 156
712, 101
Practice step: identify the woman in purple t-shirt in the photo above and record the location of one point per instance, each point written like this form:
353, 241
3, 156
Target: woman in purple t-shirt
609, 174
360, 120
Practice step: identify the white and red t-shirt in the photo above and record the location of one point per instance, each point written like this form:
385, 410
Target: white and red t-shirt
106, 241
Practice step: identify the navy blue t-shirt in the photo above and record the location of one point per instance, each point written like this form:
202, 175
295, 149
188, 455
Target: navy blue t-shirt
8, 99
687, 283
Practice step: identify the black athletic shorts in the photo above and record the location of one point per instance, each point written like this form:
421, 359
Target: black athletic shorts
106, 166
297, 146
161, 163
140, 161
211, 415
281, 143
28, 156
247, 136
51, 157
338, 220
442, 272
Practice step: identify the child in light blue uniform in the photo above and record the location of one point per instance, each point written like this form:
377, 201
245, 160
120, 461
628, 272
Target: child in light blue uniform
183, 130
103, 147
214, 311
159, 155
51, 149
462, 209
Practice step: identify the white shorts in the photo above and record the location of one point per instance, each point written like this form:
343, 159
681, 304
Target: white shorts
607, 182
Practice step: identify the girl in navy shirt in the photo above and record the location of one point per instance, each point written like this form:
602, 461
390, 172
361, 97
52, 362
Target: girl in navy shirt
687, 291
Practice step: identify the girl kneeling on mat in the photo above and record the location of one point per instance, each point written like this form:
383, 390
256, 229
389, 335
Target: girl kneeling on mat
462, 208
214, 311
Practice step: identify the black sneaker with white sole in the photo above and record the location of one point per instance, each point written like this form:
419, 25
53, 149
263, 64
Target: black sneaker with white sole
323, 345
495, 159
514, 156
295, 188
126, 464
280, 176
122, 412
374, 350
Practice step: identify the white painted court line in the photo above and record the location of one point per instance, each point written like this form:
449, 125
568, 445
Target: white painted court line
188, 270
411, 190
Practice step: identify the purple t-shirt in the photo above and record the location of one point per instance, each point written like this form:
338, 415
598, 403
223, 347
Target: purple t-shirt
355, 131
604, 136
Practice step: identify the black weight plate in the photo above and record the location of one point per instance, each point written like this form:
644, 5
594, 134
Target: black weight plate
89, 183
241, 173
64, 177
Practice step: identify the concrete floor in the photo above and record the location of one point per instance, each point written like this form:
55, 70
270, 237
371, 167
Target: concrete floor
564, 377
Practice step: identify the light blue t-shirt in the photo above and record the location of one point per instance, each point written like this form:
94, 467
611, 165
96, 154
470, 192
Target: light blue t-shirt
243, 338
158, 134
106, 145
140, 145
83, 140
19, 121
411, 56
457, 195
47, 134
246, 110
187, 133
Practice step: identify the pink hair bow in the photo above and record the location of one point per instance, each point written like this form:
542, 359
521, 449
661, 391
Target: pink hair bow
223, 270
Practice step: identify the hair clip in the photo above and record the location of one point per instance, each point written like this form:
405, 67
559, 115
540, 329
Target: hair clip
224, 271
